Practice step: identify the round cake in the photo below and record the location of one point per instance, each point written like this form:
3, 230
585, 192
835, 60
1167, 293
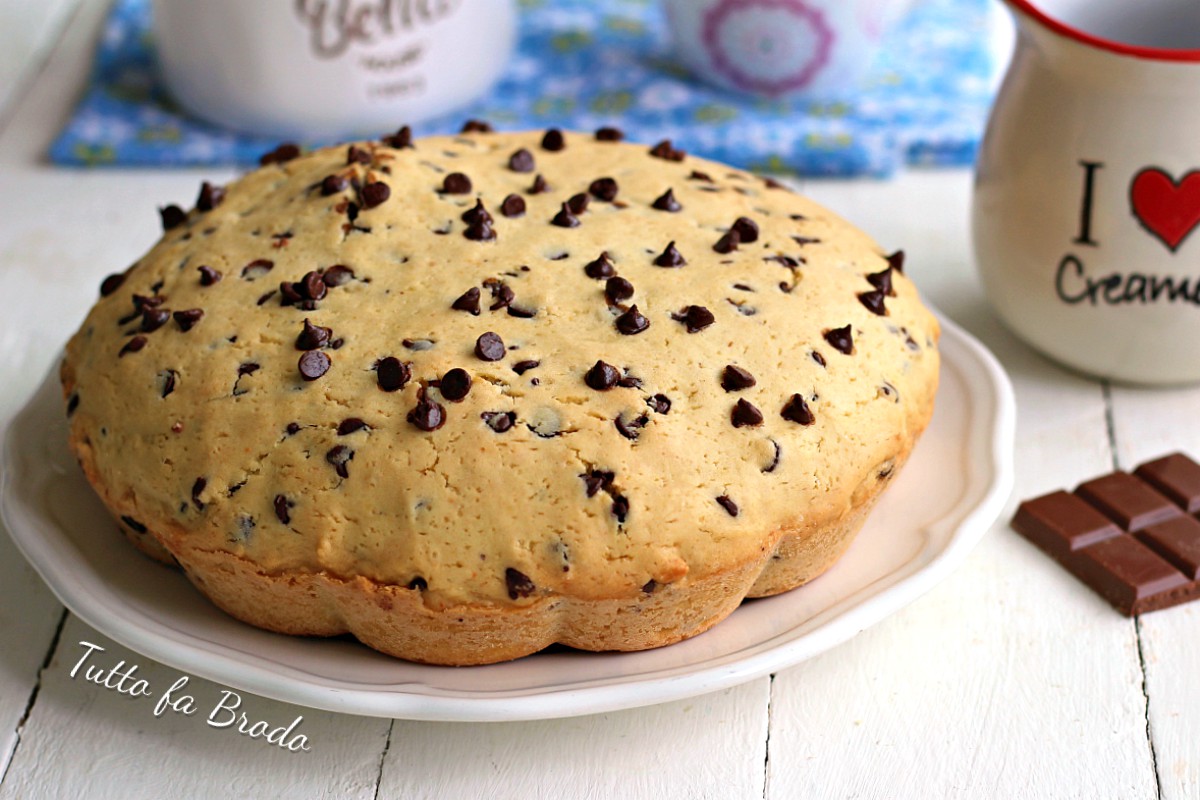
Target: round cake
465, 397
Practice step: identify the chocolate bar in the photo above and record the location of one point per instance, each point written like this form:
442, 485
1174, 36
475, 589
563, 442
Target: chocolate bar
1134, 539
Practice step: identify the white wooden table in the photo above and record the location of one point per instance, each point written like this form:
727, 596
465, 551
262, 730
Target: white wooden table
1008, 680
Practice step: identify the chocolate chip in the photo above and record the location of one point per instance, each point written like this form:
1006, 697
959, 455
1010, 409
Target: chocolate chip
456, 183
392, 374
208, 276
747, 230
312, 286
502, 295
280, 155
489, 347
670, 257
477, 213
553, 140
521, 367
455, 385
659, 403
257, 268
578, 203
729, 242
187, 319
649, 586
600, 268
168, 384
617, 289
154, 318
518, 583
521, 161
337, 275
631, 429
632, 322
882, 281
499, 421
874, 302
745, 415
73, 402
351, 425
513, 206
728, 504
352, 214
313, 337
197, 489
282, 506
664, 150
775, 458
333, 184
468, 301
427, 415
696, 318
112, 283
292, 428
896, 261
604, 189
356, 155
734, 379
700, 176
817, 357
796, 410
313, 365
401, 139
480, 231
602, 376
477, 126
620, 507
375, 193
629, 381
565, 219
134, 345
667, 202
172, 217
539, 185
340, 457
594, 480
522, 313
418, 344
210, 196
840, 339
608, 134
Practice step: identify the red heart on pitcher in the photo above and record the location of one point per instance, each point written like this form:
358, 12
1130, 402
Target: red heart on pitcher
1167, 209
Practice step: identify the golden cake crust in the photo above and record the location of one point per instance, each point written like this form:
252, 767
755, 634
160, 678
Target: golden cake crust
730, 448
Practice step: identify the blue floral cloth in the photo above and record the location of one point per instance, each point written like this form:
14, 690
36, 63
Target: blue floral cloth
587, 63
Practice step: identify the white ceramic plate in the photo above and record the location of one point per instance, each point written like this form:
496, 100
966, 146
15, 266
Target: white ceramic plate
951, 491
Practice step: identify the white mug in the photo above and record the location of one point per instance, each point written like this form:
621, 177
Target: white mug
781, 49
327, 68
1087, 193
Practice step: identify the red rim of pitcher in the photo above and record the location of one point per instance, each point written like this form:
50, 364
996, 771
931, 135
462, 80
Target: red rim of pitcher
1061, 28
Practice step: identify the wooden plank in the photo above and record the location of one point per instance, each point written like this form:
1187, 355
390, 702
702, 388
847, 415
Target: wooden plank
1148, 423
708, 747
1009, 679
28, 33
85, 740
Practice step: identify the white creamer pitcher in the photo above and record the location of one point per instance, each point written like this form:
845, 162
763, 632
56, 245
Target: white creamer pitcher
1087, 193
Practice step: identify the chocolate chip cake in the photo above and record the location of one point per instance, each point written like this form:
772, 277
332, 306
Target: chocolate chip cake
465, 397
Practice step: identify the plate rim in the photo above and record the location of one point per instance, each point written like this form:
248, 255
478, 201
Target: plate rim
201, 657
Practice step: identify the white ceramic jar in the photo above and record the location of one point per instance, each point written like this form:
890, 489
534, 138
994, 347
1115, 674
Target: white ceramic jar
781, 49
325, 68
1087, 194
